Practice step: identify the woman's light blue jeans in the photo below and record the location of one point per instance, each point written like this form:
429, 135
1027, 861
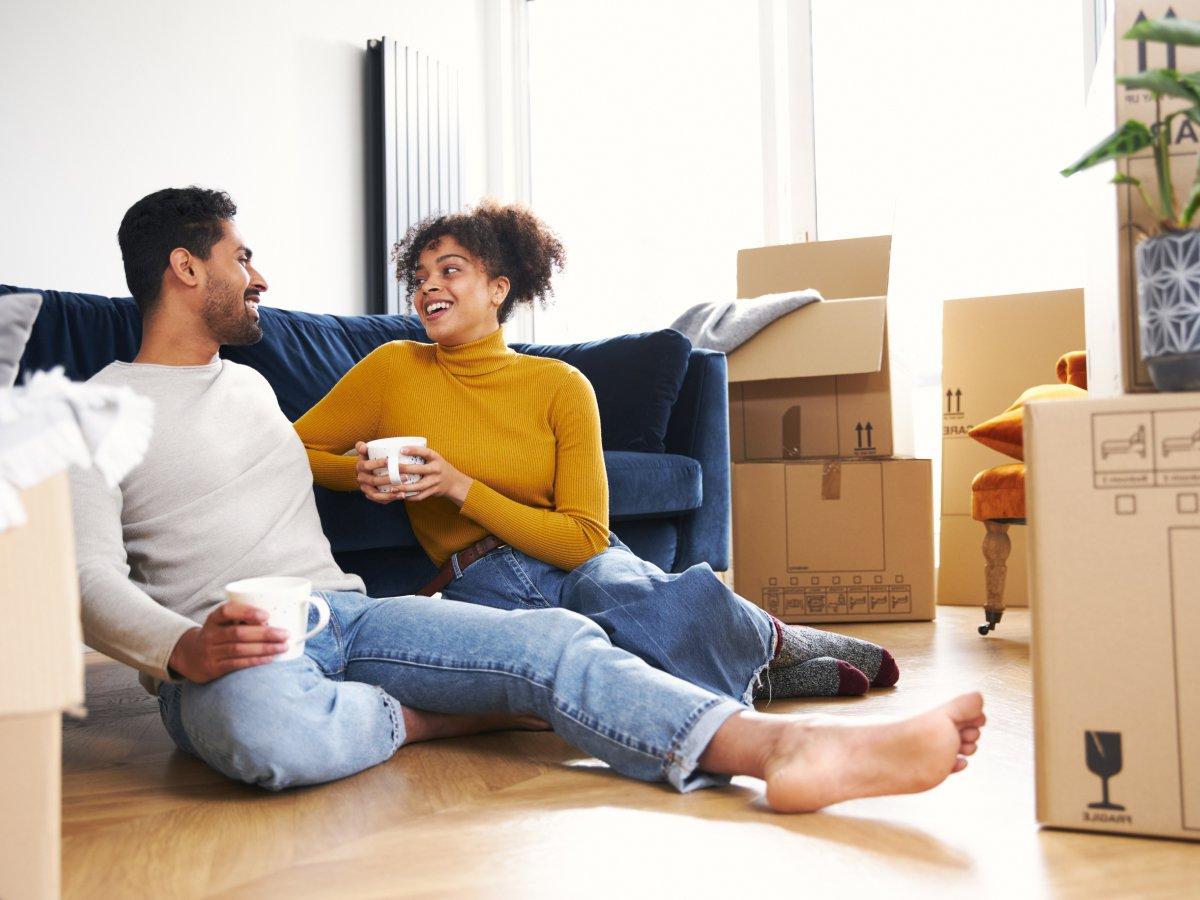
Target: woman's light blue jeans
336, 709
688, 624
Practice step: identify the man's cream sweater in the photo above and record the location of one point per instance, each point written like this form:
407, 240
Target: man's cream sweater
224, 492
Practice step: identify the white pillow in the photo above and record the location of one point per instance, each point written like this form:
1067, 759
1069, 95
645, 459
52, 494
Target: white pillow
17, 312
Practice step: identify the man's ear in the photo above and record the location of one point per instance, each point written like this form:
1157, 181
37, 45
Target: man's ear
184, 267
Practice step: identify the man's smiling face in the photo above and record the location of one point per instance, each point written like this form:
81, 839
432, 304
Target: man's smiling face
231, 295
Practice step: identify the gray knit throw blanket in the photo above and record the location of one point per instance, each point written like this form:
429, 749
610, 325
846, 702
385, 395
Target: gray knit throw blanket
725, 325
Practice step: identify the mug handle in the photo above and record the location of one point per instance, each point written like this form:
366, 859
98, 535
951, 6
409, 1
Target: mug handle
393, 463
322, 615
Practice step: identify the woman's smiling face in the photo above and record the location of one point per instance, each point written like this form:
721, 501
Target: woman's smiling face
455, 298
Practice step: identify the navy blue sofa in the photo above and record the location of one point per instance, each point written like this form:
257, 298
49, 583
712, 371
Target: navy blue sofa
663, 416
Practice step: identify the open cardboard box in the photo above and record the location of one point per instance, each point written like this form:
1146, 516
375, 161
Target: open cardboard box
993, 349
41, 674
1116, 217
835, 540
820, 381
1113, 496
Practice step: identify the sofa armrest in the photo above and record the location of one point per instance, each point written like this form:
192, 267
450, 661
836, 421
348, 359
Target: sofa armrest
699, 428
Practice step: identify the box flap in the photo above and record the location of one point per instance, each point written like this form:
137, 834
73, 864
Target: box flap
834, 337
857, 267
41, 647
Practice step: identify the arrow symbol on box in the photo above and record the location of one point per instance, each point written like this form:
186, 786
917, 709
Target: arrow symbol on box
949, 400
859, 429
869, 430
958, 401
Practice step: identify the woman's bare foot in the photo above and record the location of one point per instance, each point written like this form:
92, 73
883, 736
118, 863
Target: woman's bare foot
819, 760
426, 726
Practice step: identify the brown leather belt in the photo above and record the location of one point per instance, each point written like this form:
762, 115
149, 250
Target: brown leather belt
464, 558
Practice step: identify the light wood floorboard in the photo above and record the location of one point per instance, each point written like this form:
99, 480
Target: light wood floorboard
524, 815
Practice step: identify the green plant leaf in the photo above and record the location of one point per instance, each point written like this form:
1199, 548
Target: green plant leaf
1184, 32
1162, 167
1127, 140
1122, 178
1163, 81
1193, 204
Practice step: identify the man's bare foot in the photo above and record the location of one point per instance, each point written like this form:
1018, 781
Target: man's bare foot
426, 726
819, 760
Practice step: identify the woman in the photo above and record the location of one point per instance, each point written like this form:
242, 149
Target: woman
512, 500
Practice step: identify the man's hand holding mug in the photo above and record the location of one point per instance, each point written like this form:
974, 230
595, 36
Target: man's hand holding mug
234, 636
262, 620
406, 469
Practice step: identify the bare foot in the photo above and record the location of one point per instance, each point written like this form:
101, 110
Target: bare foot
426, 726
819, 760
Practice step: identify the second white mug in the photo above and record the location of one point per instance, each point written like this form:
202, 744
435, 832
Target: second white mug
388, 450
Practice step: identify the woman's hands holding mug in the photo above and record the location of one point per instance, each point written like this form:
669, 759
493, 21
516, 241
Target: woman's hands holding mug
438, 478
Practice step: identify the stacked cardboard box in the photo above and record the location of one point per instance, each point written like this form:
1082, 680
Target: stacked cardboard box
1113, 496
41, 674
990, 355
829, 525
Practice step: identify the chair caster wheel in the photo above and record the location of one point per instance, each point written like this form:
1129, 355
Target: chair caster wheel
993, 619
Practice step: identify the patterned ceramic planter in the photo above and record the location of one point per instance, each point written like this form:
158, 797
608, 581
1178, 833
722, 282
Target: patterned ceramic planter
1168, 274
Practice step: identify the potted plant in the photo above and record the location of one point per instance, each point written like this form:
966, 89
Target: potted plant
1168, 258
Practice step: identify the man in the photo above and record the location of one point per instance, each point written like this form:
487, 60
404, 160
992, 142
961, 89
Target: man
224, 493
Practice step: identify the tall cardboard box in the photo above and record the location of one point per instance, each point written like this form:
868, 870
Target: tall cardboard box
1113, 496
1116, 217
993, 349
820, 381
835, 540
41, 674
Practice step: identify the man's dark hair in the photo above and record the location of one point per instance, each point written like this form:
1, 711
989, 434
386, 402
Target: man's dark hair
188, 217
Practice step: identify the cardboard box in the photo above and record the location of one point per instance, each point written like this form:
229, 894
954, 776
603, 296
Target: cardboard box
835, 540
1113, 496
821, 381
41, 674
993, 349
1116, 217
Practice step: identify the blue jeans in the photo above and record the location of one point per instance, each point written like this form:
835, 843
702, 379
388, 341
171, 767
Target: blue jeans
688, 624
336, 710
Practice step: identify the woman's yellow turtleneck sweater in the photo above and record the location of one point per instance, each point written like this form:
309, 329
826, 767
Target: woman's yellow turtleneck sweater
525, 428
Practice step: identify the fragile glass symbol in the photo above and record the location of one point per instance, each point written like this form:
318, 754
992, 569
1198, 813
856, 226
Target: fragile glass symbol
1104, 761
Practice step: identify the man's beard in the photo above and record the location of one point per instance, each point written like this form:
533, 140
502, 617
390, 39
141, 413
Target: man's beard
227, 318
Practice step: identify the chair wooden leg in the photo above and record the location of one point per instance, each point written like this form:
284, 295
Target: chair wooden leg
996, 547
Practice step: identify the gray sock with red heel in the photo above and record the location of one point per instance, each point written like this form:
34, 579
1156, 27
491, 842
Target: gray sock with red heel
820, 677
796, 644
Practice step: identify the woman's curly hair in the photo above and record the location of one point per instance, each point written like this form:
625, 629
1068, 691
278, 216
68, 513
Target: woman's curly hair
507, 239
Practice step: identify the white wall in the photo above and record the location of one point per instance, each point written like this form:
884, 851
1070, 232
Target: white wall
102, 103
647, 156
946, 124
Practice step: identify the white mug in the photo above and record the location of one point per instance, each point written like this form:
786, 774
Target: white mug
286, 601
389, 449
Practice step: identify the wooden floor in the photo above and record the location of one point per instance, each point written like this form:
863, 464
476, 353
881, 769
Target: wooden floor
523, 815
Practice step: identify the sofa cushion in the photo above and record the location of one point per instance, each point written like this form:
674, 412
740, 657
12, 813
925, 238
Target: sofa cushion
353, 523
83, 333
651, 485
636, 378
303, 354
17, 312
